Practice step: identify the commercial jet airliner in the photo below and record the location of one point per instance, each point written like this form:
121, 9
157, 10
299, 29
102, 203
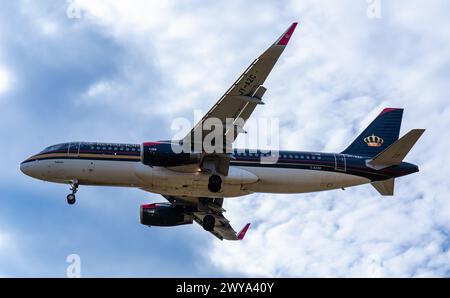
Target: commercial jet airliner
195, 181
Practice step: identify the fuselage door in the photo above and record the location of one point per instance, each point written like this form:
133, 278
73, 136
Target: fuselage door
340, 162
74, 150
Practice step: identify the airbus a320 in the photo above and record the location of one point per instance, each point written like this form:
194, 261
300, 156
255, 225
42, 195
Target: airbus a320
196, 181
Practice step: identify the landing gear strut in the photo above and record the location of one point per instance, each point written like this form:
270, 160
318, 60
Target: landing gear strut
73, 187
215, 183
209, 221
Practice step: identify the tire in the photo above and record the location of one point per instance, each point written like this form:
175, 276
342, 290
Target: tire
71, 199
215, 183
209, 222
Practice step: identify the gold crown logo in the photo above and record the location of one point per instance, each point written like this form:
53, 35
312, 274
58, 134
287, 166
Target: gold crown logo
374, 141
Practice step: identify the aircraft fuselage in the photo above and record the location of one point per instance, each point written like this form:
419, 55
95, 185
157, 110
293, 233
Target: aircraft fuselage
250, 171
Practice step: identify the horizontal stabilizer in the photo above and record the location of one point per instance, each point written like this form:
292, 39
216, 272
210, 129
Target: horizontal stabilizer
385, 187
395, 153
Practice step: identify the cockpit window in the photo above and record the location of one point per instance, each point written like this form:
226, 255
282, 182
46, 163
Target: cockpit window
57, 148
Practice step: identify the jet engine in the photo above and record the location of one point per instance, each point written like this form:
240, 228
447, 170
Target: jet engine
164, 215
166, 154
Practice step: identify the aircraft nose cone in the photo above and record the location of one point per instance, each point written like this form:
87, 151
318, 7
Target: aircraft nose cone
29, 168
24, 168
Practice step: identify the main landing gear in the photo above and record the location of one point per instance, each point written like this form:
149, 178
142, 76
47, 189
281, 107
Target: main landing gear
209, 221
73, 187
214, 183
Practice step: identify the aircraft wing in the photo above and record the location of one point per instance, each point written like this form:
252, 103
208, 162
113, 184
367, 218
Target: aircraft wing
237, 104
213, 206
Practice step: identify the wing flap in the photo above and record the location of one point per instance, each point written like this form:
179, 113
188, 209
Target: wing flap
223, 229
202, 207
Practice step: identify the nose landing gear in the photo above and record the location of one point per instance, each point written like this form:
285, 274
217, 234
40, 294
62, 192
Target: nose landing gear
73, 187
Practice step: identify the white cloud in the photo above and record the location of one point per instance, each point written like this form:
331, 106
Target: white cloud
189, 48
48, 27
9, 253
5, 80
3, 240
98, 89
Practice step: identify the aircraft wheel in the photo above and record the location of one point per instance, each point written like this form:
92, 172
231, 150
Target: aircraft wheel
71, 199
215, 183
209, 222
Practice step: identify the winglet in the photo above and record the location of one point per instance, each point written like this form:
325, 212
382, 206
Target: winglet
284, 39
242, 233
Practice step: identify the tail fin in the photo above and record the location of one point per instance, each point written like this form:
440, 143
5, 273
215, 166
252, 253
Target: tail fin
396, 152
380, 134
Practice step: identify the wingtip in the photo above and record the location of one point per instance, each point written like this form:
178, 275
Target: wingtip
242, 233
284, 39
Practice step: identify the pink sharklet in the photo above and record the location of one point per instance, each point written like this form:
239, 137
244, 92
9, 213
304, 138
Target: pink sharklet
242, 233
284, 39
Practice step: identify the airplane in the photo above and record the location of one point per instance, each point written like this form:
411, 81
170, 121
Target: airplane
195, 179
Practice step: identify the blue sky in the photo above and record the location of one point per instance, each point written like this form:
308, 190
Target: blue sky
124, 70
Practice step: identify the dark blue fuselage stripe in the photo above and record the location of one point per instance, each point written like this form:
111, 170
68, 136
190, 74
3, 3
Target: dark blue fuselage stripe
82, 158
315, 165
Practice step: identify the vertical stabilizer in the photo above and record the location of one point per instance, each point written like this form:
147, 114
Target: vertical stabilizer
380, 134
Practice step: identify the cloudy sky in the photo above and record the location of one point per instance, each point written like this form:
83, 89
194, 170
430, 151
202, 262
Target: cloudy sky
121, 71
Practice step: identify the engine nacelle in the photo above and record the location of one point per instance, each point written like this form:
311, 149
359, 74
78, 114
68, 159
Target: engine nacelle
166, 154
164, 215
